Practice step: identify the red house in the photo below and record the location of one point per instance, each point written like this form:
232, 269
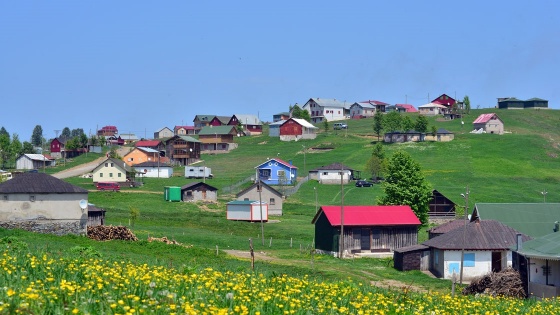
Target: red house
220, 121
251, 124
366, 228
296, 129
444, 99
58, 147
108, 131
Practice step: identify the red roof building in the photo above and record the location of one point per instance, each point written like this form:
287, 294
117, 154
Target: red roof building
444, 99
108, 131
366, 228
408, 108
488, 123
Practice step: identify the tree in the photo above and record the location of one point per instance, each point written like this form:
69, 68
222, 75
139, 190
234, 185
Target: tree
326, 125
376, 163
407, 123
467, 104
434, 131
83, 140
73, 144
66, 133
4, 148
16, 148
94, 140
3, 131
421, 124
378, 123
102, 141
27, 148
393, 121
405, 184
113, 153
37, 136
297, 112
78, 132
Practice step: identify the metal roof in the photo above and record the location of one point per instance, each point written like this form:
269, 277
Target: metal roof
38, 183
279, 161
328, 102
334, 167
449, 226
484, 118
478, 235
218, 130
147, 150
197, 184
254, 186
369, 215
546, 247
35, 157
248, 119
534, 219
147, 143
245, 202
304, 123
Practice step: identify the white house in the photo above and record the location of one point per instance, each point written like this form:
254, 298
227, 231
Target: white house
321, 109
330, 174
41, 203
432, 109
362, 110
486, 248
153, 169
113, 170
33, 161
164, 132
489, 123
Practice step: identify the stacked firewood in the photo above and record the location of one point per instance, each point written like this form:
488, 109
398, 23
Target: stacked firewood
107, 233
504, 283
165, 240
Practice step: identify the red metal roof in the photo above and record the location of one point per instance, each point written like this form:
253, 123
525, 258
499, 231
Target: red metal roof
370, 215
484, 118
147, 143
409, 108
185, 127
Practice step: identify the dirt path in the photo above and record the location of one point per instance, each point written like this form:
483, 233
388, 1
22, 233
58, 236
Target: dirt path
87, 167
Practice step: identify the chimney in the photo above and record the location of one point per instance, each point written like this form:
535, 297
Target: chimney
519, 241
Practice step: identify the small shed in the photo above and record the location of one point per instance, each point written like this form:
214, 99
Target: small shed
172, 193
414, 257
247, 210
330, 174
96, 216
198, 191
274, 128
33, 161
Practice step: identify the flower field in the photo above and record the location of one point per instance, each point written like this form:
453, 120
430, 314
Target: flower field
49, 285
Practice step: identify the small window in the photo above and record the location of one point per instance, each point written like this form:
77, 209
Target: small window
272, 201
100, 174
325, 173
106, 164
112, 164
32, 198
436, 257
110, 174
246, 199
5, 197
469, 260
130, 159
119, 174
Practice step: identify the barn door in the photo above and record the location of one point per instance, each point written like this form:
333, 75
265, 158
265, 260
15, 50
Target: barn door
365, 240
496, 261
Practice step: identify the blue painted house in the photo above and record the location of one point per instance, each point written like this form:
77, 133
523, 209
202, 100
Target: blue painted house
276, 172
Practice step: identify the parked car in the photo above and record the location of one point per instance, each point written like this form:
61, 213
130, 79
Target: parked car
108, 186
363, 183
338, 126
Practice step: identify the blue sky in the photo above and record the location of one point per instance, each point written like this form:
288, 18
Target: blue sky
143, 65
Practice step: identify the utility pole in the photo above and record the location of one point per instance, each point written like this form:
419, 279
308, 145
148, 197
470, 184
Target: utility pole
341, 240
466, 197
259, 189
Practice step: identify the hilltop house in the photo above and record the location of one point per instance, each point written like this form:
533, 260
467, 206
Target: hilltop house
433, 109
113, 170
445, 100
362, 110
184, 130
219, 138
366, 228
489, 123
321, 109
378, 105
41, 203
58, 147
251, 124
267, 194
183, 150
164, 132
108, 131
297, 129
128, 138
276, 172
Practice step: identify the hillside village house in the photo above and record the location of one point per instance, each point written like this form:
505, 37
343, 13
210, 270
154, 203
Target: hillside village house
330, 174
379, 229
295, 129
445, 100
184, 130
321, 109
276, 172
113, 170
379, 106
489, 123
153, 169
41, 203
198, 191
140, 155
220, 121
362, 110
163, 133
183, 150
514, 103
108, 131
281, 116
58, 148
33, 161
433, 109
403, 136
157, 145
267, 194
128, 138
202, 121
251, 124
274, 128
408, 108
218, 138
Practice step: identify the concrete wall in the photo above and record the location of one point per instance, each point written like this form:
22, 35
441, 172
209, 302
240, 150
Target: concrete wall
197, 195
274, 208
332, 176
45, 213
482, 265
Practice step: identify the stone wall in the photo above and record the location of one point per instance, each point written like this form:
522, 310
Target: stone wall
48, 226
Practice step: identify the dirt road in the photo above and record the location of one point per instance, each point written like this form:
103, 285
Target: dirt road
87, 167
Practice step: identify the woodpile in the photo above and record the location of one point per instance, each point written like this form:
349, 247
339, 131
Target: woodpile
109, 232
504, 283
165, 240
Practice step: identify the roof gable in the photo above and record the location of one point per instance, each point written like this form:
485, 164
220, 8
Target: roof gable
147, 143
247, 119
303, 123
117, 163
254, 186
196, 185
40, 183
484, 118
328, 102
216, 130
281, 162
444, 99
369, 215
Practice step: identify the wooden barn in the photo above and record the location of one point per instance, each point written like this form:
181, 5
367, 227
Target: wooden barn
96, 216
297, 129
366, 228
440, 206
414, 257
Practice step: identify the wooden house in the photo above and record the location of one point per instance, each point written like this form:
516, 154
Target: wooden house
41, 203
483, 244
198, 191
535, 102
220, 121
163, 133
58, 147
220, 138
250, 210
96, 216
251, 124
321, 109
108, 131
276, 172
295, 129
271, 196
140, 155
153, 169
113, 170
330, 174
202, 121
440, 206
33, 161
182, 150
489, 123
366, 228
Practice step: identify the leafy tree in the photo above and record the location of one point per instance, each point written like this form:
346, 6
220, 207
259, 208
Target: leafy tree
16, 148
405, 184
66, 133
83, 140
434, 131
94, 140
78, 132
73, 144
37, 136
4, 148
326, 125
113, 153
297, 112
467, 104
378, 123
393, 121
407, 123
3, 131
378, 151
102, 141
28, 148
376, 163
421, 124
134, 214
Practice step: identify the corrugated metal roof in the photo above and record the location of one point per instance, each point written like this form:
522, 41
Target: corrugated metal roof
545, 247
484, 118
147, 143
304, 123
430, 105
147, 150
245, 202
279, 161
39, 183
328, 102
334, 166
369, 215
409, 108
449, 226
534, 219
248, 119
36, 157
364, 105
478, 235
254, 186
152, 164
211, 130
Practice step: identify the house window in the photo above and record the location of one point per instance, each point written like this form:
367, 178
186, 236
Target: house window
272, 201
32, 198
376, 234
100, 174
436, 257
119, 174
281, 174
112, 164
469, 260
130, 159
325, 173
5, 197
110, 174
106, 164
246, 199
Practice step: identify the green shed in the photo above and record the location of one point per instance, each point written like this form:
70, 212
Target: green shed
172, 193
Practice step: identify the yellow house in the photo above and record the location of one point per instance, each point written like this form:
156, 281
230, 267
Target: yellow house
113, 170
140, 155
